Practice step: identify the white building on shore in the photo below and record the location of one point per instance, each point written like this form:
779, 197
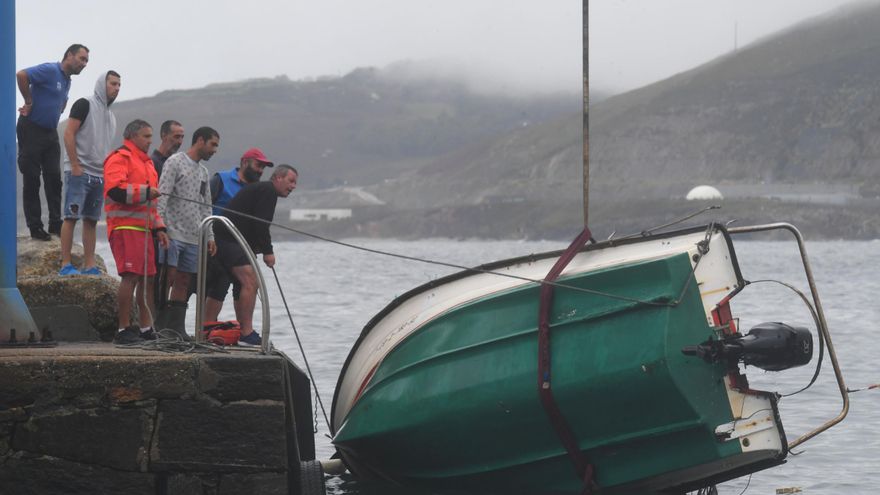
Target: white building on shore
337, 203
318, 214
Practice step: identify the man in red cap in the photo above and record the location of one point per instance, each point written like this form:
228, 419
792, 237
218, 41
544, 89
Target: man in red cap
224, 186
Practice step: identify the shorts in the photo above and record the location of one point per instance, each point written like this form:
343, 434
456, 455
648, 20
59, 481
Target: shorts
230, 254
181, 255
128, 250
217, 281
83, 196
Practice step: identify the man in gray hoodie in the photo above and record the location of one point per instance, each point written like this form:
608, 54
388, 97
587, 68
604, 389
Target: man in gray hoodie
87, 140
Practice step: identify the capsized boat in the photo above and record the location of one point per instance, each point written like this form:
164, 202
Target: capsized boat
619, 371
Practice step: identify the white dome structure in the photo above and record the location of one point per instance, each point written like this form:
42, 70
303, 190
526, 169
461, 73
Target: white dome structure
703, 193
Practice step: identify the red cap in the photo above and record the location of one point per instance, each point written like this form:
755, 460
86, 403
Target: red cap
258, 154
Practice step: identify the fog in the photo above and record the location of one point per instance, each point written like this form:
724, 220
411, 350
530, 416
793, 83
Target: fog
495, 45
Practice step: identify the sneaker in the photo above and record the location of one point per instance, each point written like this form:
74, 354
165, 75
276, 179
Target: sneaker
250, 340
40, 234
91, 271
149, 335
130, 335
55, 229
68, 269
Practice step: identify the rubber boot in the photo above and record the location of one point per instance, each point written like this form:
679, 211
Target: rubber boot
175, 318
160, 319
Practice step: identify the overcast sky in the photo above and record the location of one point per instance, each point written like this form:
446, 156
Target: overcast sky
515, 44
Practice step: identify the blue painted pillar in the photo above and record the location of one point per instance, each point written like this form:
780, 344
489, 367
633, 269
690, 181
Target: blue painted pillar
14, 312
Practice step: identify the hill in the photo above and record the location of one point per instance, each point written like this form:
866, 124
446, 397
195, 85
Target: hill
528, 164
798, 107
362, 128
788, 128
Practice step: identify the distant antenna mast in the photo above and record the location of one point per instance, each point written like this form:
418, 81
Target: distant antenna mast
586, 69
735, 36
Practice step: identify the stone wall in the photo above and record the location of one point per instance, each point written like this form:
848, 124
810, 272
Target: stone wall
100, 419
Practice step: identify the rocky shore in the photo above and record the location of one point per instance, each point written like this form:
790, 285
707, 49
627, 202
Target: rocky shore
87, 302
562, 220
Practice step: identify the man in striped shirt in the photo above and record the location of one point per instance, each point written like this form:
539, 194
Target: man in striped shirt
184, 202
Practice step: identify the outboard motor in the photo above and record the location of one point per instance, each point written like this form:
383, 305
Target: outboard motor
770, 346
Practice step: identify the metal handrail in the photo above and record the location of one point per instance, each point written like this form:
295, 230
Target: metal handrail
203, 267
823, 326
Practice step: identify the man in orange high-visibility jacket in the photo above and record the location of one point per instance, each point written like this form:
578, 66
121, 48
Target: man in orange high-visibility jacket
131, 187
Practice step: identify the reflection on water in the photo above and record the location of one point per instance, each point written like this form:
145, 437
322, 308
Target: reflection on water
333, 291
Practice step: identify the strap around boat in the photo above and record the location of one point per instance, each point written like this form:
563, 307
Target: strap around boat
582, 465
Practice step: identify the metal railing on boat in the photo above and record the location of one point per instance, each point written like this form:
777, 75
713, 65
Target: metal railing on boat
823, 325
203, 267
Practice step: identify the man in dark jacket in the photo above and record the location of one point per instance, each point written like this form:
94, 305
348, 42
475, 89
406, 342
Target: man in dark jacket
171, 135
224, 187
255, 200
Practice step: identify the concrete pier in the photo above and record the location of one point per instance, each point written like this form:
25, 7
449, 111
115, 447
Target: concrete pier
96, 418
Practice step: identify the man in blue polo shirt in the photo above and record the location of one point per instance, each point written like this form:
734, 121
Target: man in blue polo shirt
44, 88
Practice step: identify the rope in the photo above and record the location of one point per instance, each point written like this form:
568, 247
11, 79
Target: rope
147, 239
646, 233
661, 303
815, 320
315, 414
301, 350
869, 387
748, 482
750, 416
170, 342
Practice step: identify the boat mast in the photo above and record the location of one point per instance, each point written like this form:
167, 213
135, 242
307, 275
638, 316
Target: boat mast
586, 70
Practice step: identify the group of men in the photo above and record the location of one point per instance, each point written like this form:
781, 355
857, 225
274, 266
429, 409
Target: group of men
150, 200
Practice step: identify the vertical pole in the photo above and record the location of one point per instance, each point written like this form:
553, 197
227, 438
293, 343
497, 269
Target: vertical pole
14, 312
586, 69
8, 208
735, 36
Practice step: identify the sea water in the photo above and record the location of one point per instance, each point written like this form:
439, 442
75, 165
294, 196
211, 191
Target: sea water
333, 291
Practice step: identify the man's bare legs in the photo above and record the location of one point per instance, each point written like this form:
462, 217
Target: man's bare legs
213, 307
146, 307
179, 284
124, 297
88, 238
132, 286
247, 299
67, 230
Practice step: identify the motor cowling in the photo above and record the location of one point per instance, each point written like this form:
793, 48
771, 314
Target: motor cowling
772, 346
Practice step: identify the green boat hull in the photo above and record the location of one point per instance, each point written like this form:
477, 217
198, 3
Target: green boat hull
455, 405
